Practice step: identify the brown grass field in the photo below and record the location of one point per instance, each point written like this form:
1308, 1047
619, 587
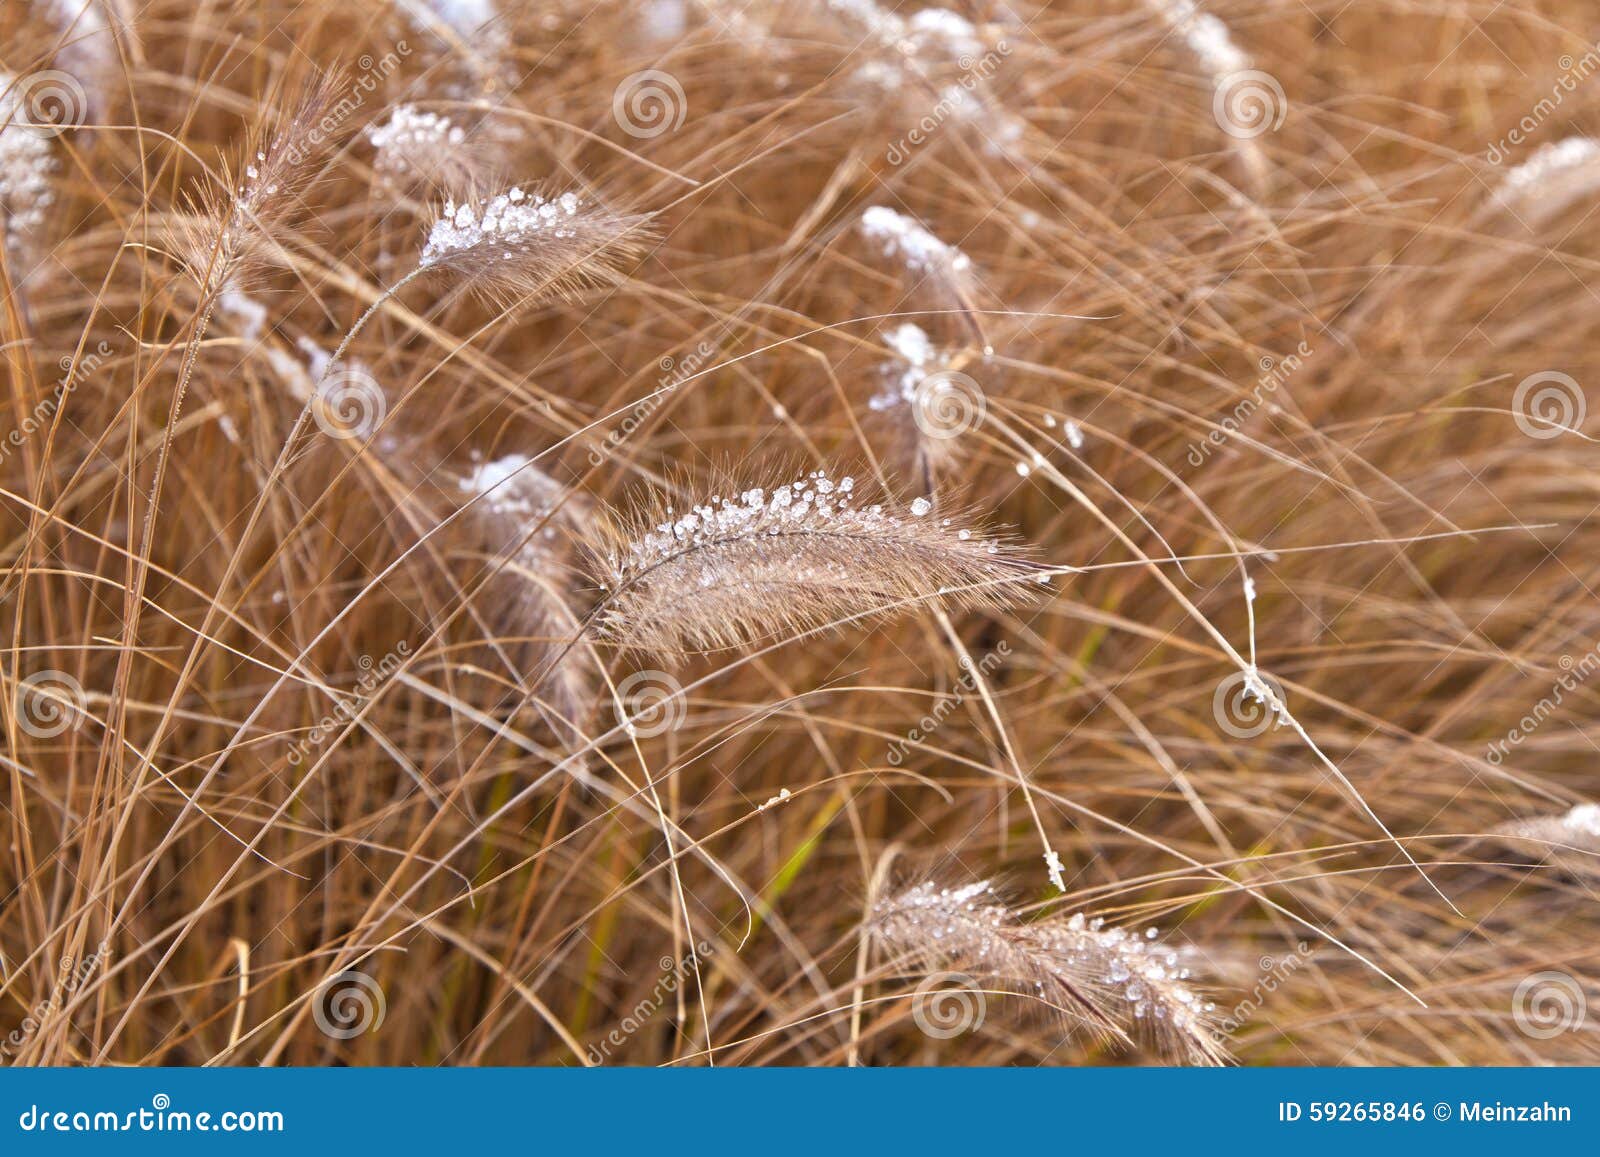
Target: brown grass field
1195, 668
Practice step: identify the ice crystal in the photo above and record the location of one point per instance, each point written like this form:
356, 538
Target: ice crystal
952, 33
512, 222
518, 501
925, 32
475, 23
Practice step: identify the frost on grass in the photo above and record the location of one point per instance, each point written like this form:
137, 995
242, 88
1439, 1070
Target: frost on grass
1111, 982
918, 399
769, 563
929, 35
922, 253
1206, 37
1556, 176
518, 244
473, 28
26, 171
413, 148
916, 359
87, 48
521, 505
905, 239
249, 315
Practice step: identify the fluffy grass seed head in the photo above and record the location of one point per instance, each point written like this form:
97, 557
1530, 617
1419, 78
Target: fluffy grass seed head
1110, 981
414, 148
1554, 177
540, 516
228, 234
519, 244
774, 561
27, 169
1570, 841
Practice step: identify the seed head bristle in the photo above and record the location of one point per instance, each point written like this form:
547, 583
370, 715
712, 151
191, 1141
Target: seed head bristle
27, 168
773, 562
517, 244
1108, 981
1557, 175
1207, 37
541, 516
1571, 841
228, 234
922, 252
414, 148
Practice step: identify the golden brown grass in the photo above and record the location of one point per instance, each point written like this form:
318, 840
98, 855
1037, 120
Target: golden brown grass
290, 694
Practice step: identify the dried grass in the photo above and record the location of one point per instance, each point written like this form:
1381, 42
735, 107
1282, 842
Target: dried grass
287, 694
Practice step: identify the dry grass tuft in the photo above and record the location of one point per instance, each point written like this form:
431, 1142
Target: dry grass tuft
366, 372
